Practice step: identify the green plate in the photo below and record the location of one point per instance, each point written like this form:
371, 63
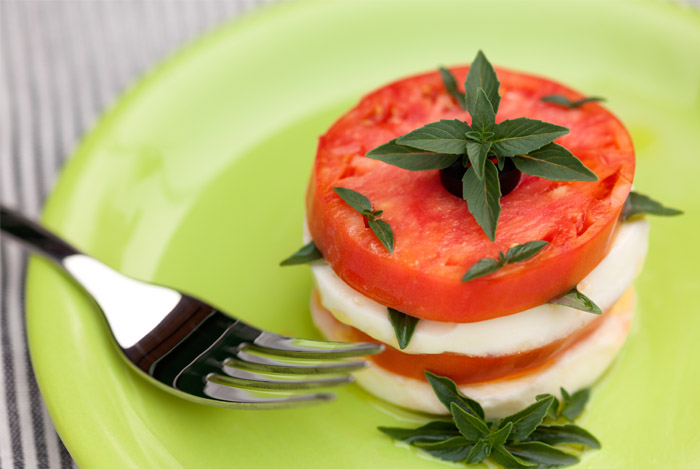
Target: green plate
196, 180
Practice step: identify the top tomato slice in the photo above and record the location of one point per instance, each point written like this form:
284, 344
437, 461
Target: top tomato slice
437, 239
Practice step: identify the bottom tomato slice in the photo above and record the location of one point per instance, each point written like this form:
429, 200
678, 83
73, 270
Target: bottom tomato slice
463, 369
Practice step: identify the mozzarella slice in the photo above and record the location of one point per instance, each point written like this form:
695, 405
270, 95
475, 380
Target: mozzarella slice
516, 333
577, 368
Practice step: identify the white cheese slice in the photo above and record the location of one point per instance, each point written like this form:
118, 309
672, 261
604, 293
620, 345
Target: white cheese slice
515, 333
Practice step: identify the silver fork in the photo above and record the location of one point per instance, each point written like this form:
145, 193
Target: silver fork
191, 349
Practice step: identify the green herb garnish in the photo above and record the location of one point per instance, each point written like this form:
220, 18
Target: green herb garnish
527, 438
441, 144
362, 205
308, 253
638, 204
518, 253
577, 300
404, 326
563, 101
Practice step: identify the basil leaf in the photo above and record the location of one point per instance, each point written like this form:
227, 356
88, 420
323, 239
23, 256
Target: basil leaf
525, 251
563, 101
483, 198
438, 430
444, 136
569, 434
554, 162
446, 391
483, 115
499, 437
354, 199
308, 253
451, 86
471, 427
503, 457
525, 421
577, 300
479, 451
541, 453
477, 153
410, 158
383, 231
404, 326
455, 449
638, 204
522, 135
483, 267
573, 405
482, 75
553, 412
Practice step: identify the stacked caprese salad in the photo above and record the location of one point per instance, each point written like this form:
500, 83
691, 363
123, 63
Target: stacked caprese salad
478, 231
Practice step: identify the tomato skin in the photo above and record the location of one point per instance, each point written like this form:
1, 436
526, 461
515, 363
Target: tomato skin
437, 239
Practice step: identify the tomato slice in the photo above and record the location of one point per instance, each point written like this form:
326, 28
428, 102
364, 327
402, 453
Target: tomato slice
437, 239
466, 369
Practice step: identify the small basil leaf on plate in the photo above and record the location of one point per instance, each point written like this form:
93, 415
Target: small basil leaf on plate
479, 451
526, 420
541, 453
573, 405
567, 434
471, 427
438, 430
446, 391
455, 449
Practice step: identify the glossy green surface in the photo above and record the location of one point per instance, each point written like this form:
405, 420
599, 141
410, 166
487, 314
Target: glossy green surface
196, 180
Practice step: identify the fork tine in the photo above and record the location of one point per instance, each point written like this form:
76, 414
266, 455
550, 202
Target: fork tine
252, 361
249, 379
258, 399
305, 348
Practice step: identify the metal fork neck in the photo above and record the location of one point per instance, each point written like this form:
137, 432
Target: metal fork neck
34, 236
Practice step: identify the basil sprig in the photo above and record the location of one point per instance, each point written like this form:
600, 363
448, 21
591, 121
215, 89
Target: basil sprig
363, 206
518, 253
404, 326
527, 438
563, 101
308, 253
529, 142
638, 204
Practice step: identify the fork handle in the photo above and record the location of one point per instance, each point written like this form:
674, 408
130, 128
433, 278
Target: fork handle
35, 236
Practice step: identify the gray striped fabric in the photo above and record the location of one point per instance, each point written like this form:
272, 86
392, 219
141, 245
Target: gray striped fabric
63, 63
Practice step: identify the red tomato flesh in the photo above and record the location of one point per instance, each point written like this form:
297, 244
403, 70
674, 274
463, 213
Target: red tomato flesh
437, 239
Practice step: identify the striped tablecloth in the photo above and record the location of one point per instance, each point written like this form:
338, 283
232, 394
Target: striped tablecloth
62, 63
